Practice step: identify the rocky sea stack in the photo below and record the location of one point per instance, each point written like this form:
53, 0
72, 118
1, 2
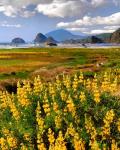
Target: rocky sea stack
40, 38
18, 41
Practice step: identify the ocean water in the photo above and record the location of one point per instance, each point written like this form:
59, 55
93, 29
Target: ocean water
9, 46
88, 45
28, 45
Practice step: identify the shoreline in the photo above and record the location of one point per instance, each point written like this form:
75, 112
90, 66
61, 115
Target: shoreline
61, 46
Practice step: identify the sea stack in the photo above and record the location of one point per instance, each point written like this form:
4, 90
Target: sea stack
40, 38
18, 41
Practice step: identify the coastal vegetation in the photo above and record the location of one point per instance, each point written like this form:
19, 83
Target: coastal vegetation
71, 112
61, 98
32, 59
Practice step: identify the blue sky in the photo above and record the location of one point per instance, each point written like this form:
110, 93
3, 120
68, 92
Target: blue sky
25, 18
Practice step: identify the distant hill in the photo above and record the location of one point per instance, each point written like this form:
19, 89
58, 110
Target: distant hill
62, 35
99, 38
40, 38
115, 36
92, 39
104, 36
89, 39
18, 41
110, 37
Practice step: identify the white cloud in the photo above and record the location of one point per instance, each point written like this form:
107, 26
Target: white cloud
98, 2
27, 13
2, 8
9, 11
6, 24
64, 8
14, 7
97, 31
112, 27
53, 8
89, 24
113, 19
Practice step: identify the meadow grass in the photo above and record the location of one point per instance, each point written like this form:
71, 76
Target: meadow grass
30, 59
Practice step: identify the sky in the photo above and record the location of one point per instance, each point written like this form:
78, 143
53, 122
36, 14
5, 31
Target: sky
26, 18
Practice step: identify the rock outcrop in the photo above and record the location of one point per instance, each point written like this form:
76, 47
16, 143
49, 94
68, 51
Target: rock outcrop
18, 41
115, 37
40, 38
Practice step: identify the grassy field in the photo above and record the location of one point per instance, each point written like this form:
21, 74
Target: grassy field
16, 64
23, 62
26, 63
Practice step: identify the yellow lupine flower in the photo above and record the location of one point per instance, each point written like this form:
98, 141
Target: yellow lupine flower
22, 94
67, 82
63, 95
96, 96
70, 105
81, 78
79, 144
12, 142
60, 143
70, 131
90, 128
94, 145
107, 121
75, 83
51, 136
88, 84
38, 86
23, 147
41, 145
114, 145
4, 100
82, 97
58, 121
3, 144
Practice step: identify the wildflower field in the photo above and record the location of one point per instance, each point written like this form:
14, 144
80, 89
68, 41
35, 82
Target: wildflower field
72, 112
